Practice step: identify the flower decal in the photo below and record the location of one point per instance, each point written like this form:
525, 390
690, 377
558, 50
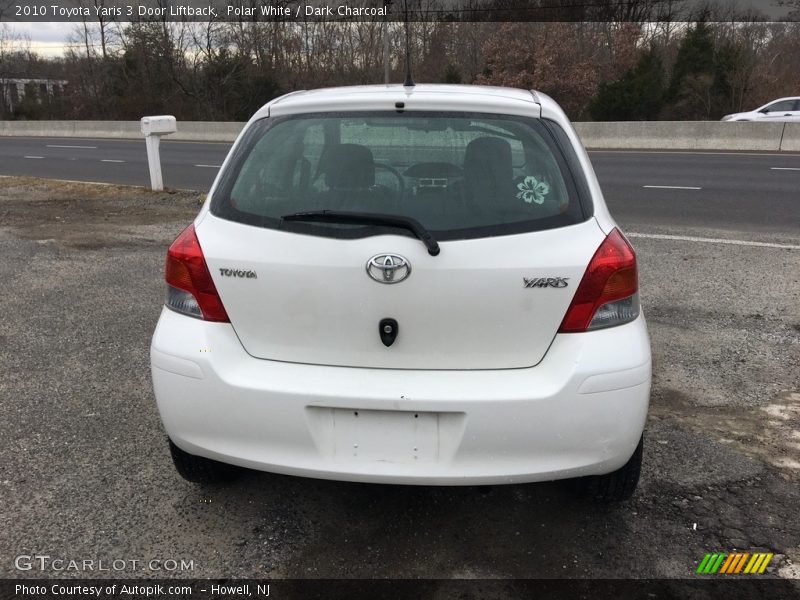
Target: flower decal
533, 190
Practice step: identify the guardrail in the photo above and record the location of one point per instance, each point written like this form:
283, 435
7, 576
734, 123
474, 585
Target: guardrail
623, 135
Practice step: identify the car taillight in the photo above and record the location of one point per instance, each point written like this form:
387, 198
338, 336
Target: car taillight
608, 293
190, 289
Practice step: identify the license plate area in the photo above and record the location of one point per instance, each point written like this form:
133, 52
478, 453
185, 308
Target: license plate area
354, 435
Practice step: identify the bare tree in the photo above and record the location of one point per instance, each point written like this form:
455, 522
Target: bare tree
565, 60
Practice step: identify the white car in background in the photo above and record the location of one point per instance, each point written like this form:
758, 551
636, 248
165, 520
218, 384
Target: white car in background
783, 109
408, 285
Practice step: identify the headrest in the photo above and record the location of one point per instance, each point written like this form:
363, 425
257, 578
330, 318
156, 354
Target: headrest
349, 166
488, 162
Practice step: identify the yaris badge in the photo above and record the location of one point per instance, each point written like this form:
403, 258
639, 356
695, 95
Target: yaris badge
543, 282
388, 268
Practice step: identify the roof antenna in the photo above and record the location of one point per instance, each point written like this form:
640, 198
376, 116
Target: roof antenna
409, 82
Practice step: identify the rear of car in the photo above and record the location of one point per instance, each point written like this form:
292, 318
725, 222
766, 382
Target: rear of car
405, 285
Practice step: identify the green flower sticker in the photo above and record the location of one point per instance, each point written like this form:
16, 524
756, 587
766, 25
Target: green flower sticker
533, 190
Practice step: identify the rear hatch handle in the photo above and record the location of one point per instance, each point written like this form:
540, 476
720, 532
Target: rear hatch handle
339, 216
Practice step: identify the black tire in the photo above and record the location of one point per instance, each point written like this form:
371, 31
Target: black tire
616, 486
198, 469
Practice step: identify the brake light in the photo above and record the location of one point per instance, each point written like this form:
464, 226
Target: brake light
190, 289
608, 293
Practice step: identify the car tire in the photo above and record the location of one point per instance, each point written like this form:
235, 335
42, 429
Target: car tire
616, 486
197, 469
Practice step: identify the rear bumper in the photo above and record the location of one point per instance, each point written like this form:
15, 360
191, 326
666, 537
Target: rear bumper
580, 412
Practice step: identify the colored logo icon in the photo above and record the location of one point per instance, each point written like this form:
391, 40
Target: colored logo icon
735, 563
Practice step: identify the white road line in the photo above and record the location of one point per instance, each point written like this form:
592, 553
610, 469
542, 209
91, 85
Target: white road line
711, 152
111, 160
209, 166
59, 146
785, 168
671, 187
34, 157
689, 238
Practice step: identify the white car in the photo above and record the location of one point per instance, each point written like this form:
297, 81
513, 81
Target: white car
407, 285
781, 110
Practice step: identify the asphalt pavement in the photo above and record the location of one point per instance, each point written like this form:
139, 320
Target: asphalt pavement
186, 165
745, 191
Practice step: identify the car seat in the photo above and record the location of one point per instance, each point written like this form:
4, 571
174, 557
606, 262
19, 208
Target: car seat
488, 175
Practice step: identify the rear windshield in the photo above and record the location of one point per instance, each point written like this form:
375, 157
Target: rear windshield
461, 175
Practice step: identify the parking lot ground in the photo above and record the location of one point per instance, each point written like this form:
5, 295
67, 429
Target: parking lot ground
85, 471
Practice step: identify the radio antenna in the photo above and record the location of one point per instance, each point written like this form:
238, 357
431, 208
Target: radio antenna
409, 82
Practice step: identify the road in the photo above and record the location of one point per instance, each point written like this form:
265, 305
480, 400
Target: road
186, 165
742, 191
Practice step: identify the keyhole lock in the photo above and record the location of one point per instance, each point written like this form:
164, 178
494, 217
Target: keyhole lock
388, 329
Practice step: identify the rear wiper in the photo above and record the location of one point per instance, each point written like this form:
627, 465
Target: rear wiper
340, 216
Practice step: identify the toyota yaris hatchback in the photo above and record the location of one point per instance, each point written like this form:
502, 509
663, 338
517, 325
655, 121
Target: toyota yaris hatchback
414, 285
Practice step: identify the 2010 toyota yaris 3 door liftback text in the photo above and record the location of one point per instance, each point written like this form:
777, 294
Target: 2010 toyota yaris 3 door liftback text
413, 285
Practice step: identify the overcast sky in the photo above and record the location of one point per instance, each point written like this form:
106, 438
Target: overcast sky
47, 38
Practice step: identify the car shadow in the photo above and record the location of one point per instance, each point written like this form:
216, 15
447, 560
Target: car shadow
340, 529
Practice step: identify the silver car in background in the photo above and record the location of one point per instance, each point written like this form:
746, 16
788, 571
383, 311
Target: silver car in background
780, 110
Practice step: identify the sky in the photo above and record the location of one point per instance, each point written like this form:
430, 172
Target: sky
46, 39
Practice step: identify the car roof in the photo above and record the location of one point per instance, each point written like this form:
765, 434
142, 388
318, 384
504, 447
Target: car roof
781, 99
466, 98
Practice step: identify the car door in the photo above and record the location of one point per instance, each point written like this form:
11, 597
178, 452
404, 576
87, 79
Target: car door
782, 110
795, 117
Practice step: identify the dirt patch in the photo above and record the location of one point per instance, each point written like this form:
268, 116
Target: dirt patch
770, 433
737, 484
90, 216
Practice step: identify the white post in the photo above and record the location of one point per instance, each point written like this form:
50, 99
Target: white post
153, 128
154, 162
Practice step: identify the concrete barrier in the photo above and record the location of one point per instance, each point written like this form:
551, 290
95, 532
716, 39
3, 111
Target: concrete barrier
207, 131
623, 135
791, 138
196, 131
87, 129
682, 135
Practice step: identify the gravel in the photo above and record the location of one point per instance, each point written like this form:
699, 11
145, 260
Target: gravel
85, 470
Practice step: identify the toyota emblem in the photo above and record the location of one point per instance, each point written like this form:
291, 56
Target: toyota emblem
388, 268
